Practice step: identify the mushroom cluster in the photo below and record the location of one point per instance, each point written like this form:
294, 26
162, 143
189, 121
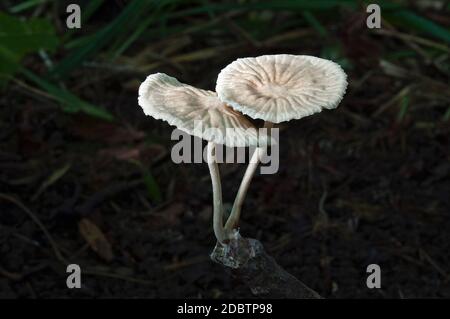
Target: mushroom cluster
274, 88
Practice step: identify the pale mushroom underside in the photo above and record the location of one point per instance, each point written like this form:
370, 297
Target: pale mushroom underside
278, 88
197, 112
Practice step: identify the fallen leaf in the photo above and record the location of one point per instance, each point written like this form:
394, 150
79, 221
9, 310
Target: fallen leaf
96, 239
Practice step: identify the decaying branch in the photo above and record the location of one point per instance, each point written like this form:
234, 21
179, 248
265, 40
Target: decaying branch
259, 271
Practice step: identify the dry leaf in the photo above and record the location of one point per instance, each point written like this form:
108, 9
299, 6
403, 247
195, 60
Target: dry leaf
96, 239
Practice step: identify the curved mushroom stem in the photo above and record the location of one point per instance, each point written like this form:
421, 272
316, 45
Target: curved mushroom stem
217, 193
233, 219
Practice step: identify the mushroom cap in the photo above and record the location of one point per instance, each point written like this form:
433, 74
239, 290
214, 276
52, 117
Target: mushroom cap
195, 111
278, 88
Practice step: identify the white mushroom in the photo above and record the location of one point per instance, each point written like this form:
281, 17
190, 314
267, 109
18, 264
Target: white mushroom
186, 107
278, 88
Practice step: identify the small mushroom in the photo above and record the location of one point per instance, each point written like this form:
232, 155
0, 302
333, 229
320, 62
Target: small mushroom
195, 111
186, 107
278, 88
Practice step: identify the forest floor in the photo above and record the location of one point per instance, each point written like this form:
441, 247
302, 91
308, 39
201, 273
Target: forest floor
367, 183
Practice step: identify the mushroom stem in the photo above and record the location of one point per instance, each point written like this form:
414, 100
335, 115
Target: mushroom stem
217, 193
233, 219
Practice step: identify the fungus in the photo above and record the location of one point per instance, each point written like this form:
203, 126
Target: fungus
274, 88
283, 87
277, 88
199, 113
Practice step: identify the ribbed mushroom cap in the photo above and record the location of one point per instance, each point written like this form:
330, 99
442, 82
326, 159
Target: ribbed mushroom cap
186, 107
278, 88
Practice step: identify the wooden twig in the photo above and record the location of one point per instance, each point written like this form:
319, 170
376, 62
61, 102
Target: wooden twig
259, 271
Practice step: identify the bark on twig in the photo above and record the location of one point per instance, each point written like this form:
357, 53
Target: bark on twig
259, 271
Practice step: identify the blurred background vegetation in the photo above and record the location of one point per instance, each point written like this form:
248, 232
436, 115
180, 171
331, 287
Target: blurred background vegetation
123, 36
86, 178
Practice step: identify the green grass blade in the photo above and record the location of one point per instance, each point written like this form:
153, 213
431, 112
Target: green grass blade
25, 5
70, 102
404, 105
313, 22
418, 23
153, 189
144, 21
152, 186
100, 39
294, 5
